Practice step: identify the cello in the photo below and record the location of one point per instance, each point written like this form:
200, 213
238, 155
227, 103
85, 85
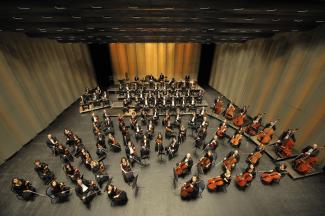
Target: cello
269, 177
235, 140
266, 135
252, 129
180, 168
244, 179
218, 105
215, 183
287, 143
230, 162
254, 157
221, 130
304, 164
186, 190
230, 112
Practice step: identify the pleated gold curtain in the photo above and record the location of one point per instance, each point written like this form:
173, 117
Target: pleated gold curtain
283, 76
172, 59
39, 79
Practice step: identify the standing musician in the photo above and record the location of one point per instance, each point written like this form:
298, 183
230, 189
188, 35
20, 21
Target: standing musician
274, 175
266, 135
218, 105
190, 189
222, 129
230, 161
252, 129
285, 143
254, 158
230, 111
241, 118
117, 196
23, 188
244, 179
220, 182
212, 145
73, 173
304, 163
43, 171
184, 167
86, 190
145, 148
235, 140
58, 191
127, 172
172, 149
132, 154
206, 161
113, 144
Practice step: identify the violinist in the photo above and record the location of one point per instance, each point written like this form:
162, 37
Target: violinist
69, 137
274, 175
106, 115
230, 161
165, 119
254, 158
23, 188
121, 122
112, 142
184, 167
155, 116
218, 105
235, 140
307, 159
220, 182
101, 175
127, 172
117, 196
144, 117
212, 145
182, 133
131, 153
138, 132
101, 150
66, 156
285, 143
178, 119
43, 171
205, 122
253, 128
159, 145
241, 118
96, 128
100, 139
169, 132
95, 119
244, 179
86, 190
266, 135
126, 104
145, 148
230, 111
222, 129
73, 173
133, 120
108, 126
172, 149
206, 162
192, 122
190, 189
150, 130
58, 191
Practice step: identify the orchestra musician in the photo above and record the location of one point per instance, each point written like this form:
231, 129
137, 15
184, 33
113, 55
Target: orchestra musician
306, 160
254, 157
230, 161
101, 150
166, 119
155, 116
190, 189
172, 149
169, 132
266, 135
222, 129
138, 132
178, 119
184, 166
43, 171
285, 143
113, 143
245, 178
118, 197
133, 120
220, 182
101, 175
235, 140
192, 122
23, 188
131, 153
126, 169
241, 118
51, 142
145, 148
252, 129
218, 105
73, 173
150, 130
182, 133
206, 161
230, 111
274, 175
58, 191
86, 190
126, 135
159, 145
212, 145
205, 122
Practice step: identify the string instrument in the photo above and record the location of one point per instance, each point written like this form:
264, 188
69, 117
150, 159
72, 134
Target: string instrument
186, 190
269, 177
230, 162
255, 157
230, 112
180, 168
214, 183
304, 164
242, 180
205, 162
221, 130
265, 136
235, 140
239, 120
218, 107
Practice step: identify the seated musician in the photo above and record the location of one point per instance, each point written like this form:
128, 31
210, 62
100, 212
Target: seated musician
205, 122
158, 141
144, 117
245, 178
182, 133
145, 148
218, 105
101, 151
222, 129
126, 135
150, 130
220, 182
165, 119
253, 128
189, 163
212, 145
230, 111
235, 140
285, 143
202, 133
192, 122
274, 175
307, 159
108, 126
100, 138
178, 120
101, 175
66, 156
112, 142
23, 188
230, 161
206, 161
95, 119
107, 116
43, 171
69, 137
52, 141
138, 132
254, 157
132, 154
127, 172
86, 158
133, 120
58, 191
190, 189
172, 148
202, 113
86, 190
73, 173
155, 116
117, 196
266, 135
125, 106
121, 122
169, 132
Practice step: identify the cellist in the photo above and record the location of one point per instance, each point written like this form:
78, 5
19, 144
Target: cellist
187, 162
220, 182
274, 175
241, 118
266, 135
218, 105
230, 111
244, 179
230, 161
306, 160
222, 129
252, 129
190, 189
206, 161
285, 143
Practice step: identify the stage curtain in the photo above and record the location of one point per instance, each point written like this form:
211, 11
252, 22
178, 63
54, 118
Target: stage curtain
283, 76
39, 79
172, 59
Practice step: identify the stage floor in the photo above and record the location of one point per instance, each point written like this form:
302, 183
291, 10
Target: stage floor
156, 195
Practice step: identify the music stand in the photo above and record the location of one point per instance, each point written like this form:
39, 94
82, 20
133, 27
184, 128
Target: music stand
175, 179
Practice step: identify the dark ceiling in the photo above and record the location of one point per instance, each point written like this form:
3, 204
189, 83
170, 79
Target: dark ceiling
202, 21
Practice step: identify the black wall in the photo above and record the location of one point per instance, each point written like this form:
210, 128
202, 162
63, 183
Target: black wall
206, 61
101, 60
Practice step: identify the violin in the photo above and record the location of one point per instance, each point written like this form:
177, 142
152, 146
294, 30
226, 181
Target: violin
215, 183
221, 131
186, 190
230, 162
230, 112
239, 120
218, 107
180, 168
243, 179
269, 177
235, 140
255, 157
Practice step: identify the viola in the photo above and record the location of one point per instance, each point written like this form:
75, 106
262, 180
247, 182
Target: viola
239, 120
230, 162
235, 140
269, 177
230, 112
304, 164
255, 157
186, 190
265, 136
214, 183
180, 168
218, 107
242, 180
221, 131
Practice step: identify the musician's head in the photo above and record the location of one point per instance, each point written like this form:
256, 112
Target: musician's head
54, 183
79, 182
194, 178
283, 166
236, 152
49, 136
37, 162
188, 155
315, 146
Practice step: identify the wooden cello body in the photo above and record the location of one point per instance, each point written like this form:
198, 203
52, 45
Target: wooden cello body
215, 183
244, 179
